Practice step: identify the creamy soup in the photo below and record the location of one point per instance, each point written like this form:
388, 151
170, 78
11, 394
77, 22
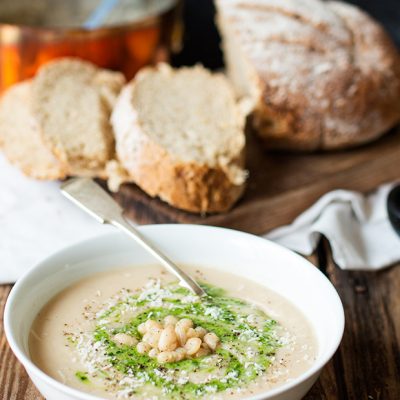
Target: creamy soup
262, 340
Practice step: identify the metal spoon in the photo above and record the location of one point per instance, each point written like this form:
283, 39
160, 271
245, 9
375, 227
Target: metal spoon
99, 204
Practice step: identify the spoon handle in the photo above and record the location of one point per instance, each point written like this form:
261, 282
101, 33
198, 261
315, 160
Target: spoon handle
89, 196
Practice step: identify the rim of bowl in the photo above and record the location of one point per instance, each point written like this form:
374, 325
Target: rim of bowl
29, 365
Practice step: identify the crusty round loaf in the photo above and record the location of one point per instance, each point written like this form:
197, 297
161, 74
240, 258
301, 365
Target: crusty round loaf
20, 137
321, 75
72, 102
179, 135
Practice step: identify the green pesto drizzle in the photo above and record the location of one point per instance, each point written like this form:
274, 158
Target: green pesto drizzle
249, 341
82, 376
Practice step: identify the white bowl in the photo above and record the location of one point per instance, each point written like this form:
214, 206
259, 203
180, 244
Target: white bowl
242, 254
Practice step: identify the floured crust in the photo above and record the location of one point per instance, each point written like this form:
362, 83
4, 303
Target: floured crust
186, 185
20, 136
323, 75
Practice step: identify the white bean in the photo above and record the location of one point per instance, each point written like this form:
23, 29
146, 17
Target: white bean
151, 324
200, 331
192, 346
142, 328
165, 357
143, 347
168, 339
180, 354
181, 335
170, 320
202, 352
153, 353
212, 340
185, 323
124, 339
152, 337
191, 333
205, 346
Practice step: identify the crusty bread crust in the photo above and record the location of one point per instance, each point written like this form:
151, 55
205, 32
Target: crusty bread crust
327, 75
189, 186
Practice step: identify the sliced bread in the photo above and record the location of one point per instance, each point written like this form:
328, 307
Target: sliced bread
20, 137
179, 135
72, 102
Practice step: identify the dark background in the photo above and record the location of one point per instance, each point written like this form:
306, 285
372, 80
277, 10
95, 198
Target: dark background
201, 40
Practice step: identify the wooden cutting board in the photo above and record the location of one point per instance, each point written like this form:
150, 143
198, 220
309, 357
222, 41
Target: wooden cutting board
281, 185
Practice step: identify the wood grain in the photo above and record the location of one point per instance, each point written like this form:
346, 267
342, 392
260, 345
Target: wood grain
281, 186
14, 382
366, 366
369, 357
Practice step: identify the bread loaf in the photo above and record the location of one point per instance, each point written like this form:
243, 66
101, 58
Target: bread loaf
72, 102
179, 135
320, 75
20, 136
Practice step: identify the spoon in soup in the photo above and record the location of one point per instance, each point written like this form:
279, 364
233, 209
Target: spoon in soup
93, 199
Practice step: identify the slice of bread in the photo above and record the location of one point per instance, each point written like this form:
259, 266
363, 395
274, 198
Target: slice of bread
20, 137
72, 102
179, 135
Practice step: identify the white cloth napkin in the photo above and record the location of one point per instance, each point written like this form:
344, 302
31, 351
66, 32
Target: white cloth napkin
35, 221
357, 227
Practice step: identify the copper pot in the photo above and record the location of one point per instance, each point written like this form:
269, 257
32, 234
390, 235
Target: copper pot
136, 33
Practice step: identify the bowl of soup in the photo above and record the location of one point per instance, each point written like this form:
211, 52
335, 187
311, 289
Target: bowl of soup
102, 320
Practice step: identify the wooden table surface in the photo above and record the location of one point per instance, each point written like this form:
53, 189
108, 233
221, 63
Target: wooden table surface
366, 366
